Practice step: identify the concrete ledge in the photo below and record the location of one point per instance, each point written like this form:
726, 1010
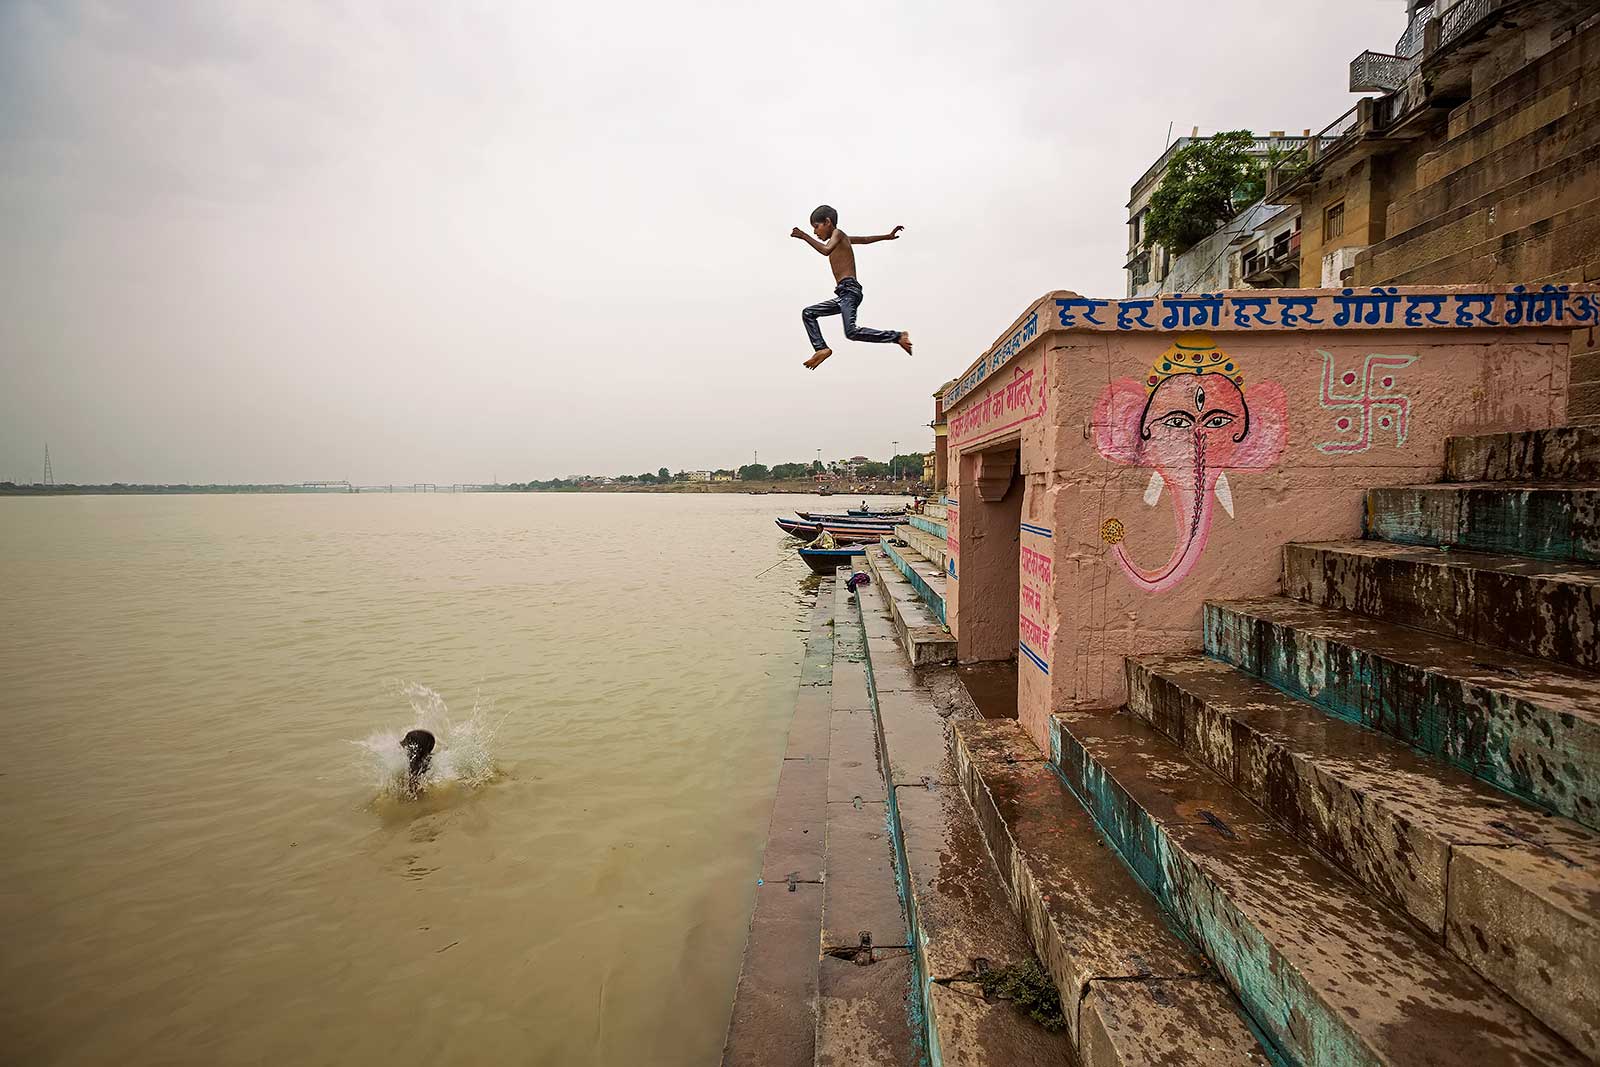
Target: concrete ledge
925, 577
1524, 725
773, 1018
930, 526
934, 549
1560, 522
1532, 607
1394, 820
1328, 974
1561, 453
957, 907
924, 638
1133, 993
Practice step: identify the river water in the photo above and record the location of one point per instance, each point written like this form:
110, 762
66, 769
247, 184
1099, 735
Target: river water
207, 857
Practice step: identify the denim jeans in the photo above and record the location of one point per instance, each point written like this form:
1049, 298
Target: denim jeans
847, 298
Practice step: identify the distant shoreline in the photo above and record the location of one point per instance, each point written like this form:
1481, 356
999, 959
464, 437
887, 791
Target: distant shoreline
800, 487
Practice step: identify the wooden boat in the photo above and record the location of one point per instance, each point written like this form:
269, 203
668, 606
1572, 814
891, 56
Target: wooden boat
808, 531
851, 519
825, 560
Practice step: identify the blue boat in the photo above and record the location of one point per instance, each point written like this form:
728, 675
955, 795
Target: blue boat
825, 560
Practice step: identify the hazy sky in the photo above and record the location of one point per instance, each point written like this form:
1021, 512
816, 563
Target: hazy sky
449, 241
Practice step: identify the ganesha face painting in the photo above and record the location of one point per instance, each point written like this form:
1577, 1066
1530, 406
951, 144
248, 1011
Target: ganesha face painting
1192, 420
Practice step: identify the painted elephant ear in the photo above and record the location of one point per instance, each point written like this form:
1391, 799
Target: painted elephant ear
1269, 428
1116, 420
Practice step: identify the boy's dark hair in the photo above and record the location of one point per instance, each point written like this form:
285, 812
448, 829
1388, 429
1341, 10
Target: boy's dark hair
825, 214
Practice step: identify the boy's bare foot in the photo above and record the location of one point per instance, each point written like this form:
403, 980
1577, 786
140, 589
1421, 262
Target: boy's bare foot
905, 342
816, 361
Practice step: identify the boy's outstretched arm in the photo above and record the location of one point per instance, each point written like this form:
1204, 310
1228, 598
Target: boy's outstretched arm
892, 235
823, 247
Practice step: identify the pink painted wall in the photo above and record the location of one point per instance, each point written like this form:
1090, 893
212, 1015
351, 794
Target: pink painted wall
1274, 441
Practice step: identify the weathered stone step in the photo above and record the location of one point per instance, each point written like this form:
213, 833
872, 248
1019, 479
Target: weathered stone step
924, 637
865, 971
1556, 454
932, 548
926, 577
773, 1020
1329, 974
1132, 991
1395, 820
937, 512
1472, 216
1527, 726
1573, 59
1555, 246
1544, 117
927, 525
961, 919
1549, 520
1533, 607
1478, 187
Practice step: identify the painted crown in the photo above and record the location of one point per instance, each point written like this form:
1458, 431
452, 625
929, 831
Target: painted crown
1194, 353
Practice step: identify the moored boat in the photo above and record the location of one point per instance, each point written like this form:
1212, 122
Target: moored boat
808, 531
825, 560
884, 519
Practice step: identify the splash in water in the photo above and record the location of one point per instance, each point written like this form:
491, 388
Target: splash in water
462, 756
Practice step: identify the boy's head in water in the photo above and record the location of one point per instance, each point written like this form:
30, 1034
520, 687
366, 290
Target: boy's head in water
418, 746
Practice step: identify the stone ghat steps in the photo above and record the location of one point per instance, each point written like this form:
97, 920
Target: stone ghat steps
925, 576
1546, 520
773, 1019
1560, 453
959, 914
936, 512
1526, 726
1532, 607
1520, 887
928, 525
1133, 991
1504, 207
1513, 128
931, 548
865, 969
1573, 59
924, 637
1557, 246
1562, 72
1328, 973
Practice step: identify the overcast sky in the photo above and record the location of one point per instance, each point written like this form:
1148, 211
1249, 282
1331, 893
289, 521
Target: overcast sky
427, 241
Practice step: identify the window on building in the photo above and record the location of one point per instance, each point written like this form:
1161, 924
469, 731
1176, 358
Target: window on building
1333, 221
1140, 270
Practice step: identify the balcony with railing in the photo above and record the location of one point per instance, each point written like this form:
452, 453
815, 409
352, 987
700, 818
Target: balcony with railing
1432, 27
1273, 265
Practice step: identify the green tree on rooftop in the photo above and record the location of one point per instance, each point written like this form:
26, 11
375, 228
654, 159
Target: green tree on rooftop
1205, 185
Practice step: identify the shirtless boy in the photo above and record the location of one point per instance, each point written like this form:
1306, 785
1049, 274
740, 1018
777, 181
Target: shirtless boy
838, 247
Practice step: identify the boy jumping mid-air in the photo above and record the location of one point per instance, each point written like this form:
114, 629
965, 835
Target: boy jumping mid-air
836, 245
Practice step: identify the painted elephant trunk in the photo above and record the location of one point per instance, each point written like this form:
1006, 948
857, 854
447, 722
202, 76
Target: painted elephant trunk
1191, 511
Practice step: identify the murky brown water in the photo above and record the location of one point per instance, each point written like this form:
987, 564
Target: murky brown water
202, 868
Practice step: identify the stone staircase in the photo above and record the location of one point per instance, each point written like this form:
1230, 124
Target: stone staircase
1361, 827
1511, 191
910, 569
